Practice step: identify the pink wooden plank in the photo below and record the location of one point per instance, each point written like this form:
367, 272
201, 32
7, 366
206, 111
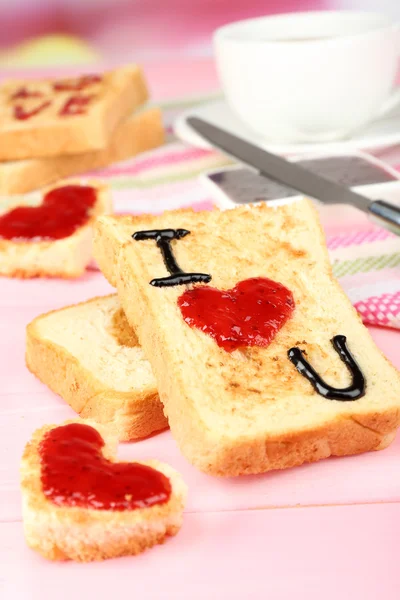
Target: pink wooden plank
49, 294
325, 553
366, 478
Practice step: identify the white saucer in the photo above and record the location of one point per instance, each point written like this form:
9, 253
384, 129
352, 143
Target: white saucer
382, 133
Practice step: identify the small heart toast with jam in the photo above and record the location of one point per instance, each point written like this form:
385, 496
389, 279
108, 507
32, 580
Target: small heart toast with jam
261, 362
80, 503
49, 233
90, 355
54, 117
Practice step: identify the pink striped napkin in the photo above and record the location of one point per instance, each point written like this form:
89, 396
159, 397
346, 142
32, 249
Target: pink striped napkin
365, 259
367, 264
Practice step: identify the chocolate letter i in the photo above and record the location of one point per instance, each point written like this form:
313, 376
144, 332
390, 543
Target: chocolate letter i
163, 238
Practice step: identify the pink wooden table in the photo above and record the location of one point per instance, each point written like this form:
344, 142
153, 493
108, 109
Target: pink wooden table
324, 531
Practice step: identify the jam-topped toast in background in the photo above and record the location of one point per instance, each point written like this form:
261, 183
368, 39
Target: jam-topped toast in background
80, 503
49, 233
261, 363
52, 117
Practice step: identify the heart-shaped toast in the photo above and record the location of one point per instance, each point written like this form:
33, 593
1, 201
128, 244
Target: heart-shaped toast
80, 503
49, 233
64, 209
249, 314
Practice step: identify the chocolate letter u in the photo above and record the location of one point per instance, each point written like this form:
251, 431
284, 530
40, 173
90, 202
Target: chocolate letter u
353, 392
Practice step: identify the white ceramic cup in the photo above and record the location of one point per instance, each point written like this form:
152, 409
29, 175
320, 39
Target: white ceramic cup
315, 76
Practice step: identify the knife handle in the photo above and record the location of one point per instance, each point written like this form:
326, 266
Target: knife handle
387, 215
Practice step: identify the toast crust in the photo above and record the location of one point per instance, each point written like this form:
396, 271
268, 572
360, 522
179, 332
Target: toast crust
141, 132
47, 134
80, 534
67, 257
129, 415
248, 432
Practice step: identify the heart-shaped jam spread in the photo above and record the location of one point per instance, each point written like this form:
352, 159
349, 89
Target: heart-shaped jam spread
74, 472
249, 314
63, 211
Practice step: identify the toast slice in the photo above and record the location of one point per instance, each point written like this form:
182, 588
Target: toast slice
90, 356
250, 410
67, 257
140, 132
54, 117
62, 532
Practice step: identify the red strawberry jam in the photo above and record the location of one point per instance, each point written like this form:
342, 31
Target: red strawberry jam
250, 314
74, 472
21, 114
76, 85
63, 211
23, 92
75, 105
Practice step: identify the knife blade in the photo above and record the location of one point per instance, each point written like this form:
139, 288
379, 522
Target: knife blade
294, 175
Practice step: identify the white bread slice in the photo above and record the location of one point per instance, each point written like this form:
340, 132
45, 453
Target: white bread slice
67, 257
140, 132
90, 356
82, 534
48, 133
250, 411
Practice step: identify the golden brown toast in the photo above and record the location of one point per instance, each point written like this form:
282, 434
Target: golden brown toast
250, 410
53, 117
60, 532
90, 356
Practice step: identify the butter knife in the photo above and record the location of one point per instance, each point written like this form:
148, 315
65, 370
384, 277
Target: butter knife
295, 176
